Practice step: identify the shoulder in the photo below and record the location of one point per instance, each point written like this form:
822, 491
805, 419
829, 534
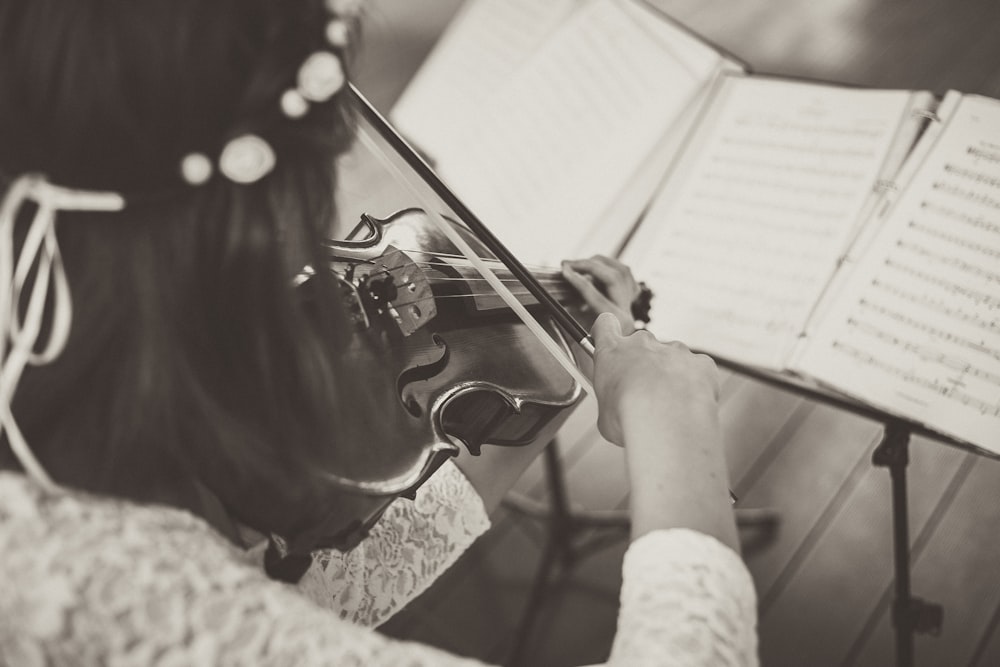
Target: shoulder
77, 522
94, 581
104, 577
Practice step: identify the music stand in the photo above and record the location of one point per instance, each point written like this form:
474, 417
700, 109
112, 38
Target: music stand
910, 614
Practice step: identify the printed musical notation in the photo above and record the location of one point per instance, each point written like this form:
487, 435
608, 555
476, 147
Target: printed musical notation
470, 64
754, 220
560, 140
918, 326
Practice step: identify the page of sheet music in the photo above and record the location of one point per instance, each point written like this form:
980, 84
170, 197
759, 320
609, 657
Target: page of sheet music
917, 330
747, 231
558, 143
481, 49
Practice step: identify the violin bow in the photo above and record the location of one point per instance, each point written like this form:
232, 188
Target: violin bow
570, 326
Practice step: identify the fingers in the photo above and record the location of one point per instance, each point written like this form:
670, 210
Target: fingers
612, 263
588, 290
613, 279
605, 274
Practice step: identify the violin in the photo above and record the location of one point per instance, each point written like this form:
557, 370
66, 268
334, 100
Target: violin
467, 371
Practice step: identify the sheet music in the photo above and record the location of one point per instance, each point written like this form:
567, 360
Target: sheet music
558, 143
740, 243
917, 330
478, 53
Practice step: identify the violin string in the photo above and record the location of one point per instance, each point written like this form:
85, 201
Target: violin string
404, 304
462, 258
555, 280
512, 281
488, 260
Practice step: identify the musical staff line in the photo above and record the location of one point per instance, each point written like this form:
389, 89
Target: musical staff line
909, 377
924, 352
977, 222
967, 195
937, 305
937, 332
806, 149
943, 260
972, 175
954, 239
734, 219
821, 172
956, 288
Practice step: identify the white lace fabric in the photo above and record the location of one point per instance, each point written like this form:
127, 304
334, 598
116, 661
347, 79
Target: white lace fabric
407, 550
96, 581
686, 600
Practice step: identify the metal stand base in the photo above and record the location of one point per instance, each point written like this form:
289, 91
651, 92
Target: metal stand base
909, 614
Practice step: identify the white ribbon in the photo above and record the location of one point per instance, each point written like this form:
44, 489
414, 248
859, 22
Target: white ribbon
18, 337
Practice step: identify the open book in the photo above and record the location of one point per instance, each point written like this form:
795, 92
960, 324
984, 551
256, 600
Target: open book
848, 236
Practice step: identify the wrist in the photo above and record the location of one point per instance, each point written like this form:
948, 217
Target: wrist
696, 409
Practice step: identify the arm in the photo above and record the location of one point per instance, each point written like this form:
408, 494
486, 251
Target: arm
661, 402
685, 592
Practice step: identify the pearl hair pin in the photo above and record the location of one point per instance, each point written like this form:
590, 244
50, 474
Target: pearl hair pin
248, 158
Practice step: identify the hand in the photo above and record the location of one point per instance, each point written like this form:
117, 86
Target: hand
606, 285
636, 377
660, 401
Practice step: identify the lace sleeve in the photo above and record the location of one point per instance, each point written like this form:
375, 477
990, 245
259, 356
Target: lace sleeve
90, 581
407, 550
687, 596
87, 581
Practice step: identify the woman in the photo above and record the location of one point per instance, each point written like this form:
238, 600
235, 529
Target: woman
183, 395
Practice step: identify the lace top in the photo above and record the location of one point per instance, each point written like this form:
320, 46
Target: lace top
86, 580
411, 545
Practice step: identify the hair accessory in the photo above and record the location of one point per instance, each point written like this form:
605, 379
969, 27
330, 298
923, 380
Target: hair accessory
196, 168
246, 159
349, 8
320, 76
39, 252
337, 33
293, 104
249, 158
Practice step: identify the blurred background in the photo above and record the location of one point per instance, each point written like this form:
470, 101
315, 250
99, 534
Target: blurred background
824, 578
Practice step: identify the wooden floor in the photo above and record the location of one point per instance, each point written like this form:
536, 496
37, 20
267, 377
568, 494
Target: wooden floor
824, 580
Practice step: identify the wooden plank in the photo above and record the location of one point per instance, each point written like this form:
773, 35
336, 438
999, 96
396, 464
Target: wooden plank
577, 627
823, 458
752, 419
831, 588
950, 571
988, 652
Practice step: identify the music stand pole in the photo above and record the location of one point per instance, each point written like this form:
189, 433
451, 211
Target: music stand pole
909, 614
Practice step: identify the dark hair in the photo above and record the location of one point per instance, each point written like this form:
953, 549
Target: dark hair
189, 359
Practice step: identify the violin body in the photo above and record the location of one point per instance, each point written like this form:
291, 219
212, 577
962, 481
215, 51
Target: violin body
468, 365
466, 370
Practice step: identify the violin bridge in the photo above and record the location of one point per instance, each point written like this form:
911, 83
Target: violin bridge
396, 288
